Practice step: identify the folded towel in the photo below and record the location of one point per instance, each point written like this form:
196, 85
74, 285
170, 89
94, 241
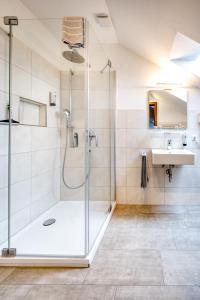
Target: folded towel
144, 175
73, 31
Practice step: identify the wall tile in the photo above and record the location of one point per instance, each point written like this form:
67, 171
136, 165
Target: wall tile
120, 137
184, 177
100, 177
21, 55
121, 177
154, 196
45, 160
136, 119
120, 157
21, 196
21, 139
43, 70
21, 82
40, 90
3, 45
121, 195
156, 177
3, 76
100, 157
20, 220
133, 177
144, 139
72, 195
33, 77
44, 138
3, 204
134, 195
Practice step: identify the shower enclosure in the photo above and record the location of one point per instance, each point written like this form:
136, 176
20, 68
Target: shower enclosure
57, 146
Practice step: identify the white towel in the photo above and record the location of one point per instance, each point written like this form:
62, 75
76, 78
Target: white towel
73, 31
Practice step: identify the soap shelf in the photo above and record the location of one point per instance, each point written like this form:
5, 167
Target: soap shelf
32, 112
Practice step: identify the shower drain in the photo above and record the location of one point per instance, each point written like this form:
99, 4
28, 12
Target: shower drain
49, 222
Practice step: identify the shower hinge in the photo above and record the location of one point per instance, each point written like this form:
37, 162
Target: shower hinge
10, 20
8, 252
110, 208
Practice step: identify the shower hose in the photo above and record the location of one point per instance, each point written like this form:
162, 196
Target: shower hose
73, 187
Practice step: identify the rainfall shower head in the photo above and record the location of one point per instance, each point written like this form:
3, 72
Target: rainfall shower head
73, 56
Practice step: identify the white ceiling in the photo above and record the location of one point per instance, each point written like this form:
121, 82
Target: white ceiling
148, 27
86, 8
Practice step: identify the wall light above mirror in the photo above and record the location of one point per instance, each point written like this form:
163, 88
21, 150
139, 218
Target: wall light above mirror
167, 108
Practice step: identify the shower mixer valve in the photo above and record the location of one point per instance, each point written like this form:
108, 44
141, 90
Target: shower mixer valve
92, 136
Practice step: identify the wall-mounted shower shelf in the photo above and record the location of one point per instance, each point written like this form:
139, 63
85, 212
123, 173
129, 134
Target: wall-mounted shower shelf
32, 112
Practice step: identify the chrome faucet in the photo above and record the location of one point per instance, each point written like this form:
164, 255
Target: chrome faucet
93, 136
169, 144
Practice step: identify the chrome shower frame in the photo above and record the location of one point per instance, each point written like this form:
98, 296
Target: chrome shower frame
9, 21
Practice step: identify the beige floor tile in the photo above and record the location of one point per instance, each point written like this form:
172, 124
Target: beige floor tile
187, 239
194, 209
121, 267
172, 221
122, 224
14, 292
192, 220
142, 238
46, 276
71, 292
147, 221
181, 267
168, 209
155, 238
125, 210
5, 272
157, 293
120, 241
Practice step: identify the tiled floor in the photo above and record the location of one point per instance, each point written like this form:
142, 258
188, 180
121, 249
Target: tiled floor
147, 253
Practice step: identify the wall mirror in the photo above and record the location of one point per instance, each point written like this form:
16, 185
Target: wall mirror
167, 108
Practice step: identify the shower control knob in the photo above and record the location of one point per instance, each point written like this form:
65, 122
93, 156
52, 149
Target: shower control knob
93, 136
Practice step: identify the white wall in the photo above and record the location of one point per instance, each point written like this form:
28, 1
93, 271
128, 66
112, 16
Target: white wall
98, 114
75, 157
135, 77
35, 150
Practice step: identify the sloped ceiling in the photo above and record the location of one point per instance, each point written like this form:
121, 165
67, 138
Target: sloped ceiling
86, 8
148, 27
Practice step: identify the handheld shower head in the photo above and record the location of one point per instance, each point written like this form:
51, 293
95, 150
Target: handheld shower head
68, 116
67, 113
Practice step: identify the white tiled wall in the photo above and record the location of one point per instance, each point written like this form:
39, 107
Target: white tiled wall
75, 157
35, 150
99, 120
135, 77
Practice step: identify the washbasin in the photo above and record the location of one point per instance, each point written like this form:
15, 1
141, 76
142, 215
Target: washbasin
172, 157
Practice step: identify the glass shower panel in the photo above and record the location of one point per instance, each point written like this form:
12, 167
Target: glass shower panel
47, 216
4, 133
99, 138
112, 91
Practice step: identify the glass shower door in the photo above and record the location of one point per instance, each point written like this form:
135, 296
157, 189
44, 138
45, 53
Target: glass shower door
4, 139
99, 138
47, 217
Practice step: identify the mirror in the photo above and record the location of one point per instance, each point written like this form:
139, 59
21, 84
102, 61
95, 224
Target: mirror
167, 108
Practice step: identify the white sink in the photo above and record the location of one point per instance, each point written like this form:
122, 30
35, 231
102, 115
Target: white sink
172, 157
